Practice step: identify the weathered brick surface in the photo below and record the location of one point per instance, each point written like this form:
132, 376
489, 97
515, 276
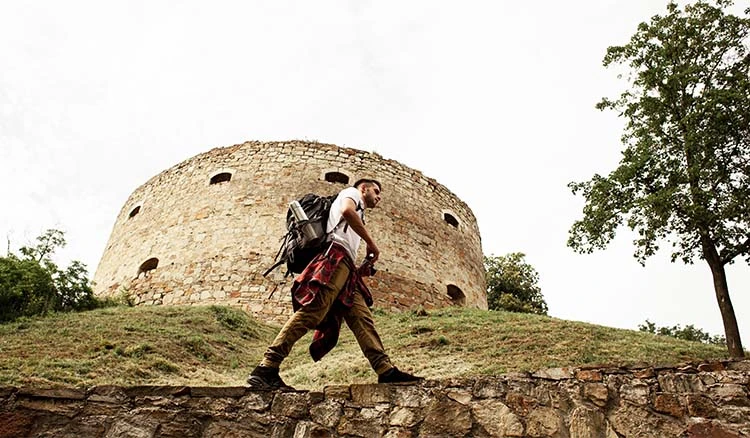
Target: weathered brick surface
214, 241
502, 406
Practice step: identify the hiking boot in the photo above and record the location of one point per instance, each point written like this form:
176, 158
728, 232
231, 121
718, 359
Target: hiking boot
267, 379
395, 376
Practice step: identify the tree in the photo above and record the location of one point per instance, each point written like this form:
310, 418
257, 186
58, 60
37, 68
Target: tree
26, 288
33, 284
687, 333
512, 285
684, 176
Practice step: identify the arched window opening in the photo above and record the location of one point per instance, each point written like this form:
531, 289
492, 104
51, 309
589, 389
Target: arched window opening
134, 211
337, 177
457, 295
148, 266
450, 219
220, 178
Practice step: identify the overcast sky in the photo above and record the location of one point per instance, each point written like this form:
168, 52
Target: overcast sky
495, 100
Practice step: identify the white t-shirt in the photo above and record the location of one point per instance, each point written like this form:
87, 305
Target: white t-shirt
341, 233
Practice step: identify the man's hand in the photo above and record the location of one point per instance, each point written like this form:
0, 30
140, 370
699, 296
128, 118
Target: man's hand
373, 253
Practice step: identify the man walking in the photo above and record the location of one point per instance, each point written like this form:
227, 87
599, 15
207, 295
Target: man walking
330, 290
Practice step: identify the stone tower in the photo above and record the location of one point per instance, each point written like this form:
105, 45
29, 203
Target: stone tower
205, 230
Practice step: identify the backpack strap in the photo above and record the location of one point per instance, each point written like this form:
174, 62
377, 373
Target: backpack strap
275, 265
359, 208
279, 259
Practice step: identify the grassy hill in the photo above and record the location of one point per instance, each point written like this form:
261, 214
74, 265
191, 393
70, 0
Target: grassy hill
214, 345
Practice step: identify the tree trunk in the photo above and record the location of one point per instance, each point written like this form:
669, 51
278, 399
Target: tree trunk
731, 331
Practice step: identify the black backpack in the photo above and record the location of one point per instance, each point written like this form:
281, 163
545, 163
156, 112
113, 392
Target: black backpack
296, 250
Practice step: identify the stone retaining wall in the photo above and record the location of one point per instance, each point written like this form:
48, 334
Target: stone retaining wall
708, 400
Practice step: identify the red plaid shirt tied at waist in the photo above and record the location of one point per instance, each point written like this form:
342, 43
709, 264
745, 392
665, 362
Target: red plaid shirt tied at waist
314, 280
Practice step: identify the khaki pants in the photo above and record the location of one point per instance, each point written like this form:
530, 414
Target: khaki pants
358, 318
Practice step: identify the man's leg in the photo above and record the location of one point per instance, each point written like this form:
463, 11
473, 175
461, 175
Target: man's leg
360, 321
301, 321
266, 375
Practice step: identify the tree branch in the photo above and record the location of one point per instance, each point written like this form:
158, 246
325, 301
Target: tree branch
729, 255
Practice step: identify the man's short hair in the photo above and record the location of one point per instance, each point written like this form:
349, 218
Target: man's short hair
368, 181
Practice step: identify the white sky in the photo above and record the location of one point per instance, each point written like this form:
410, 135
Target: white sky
495, 100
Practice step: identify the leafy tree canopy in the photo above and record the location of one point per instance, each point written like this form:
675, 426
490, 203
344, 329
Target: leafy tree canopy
32, 284
684, 176
687, 333
512, 285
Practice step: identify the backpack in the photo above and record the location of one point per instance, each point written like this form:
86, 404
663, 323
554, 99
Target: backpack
297, 250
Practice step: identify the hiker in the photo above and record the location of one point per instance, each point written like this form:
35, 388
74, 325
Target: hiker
331, 289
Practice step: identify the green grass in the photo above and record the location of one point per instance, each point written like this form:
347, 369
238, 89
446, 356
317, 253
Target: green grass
212, 345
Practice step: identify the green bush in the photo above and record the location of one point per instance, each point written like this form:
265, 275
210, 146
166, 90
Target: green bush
687, 333
512, 285
32, 284
26, 288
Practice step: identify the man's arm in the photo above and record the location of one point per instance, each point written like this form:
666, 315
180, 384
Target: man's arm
349, 213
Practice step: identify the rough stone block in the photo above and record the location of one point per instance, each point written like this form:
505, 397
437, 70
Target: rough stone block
710, 429
67, 408
546, 422
589, 375
7, 391
743, 365
103, 409
397, 432
555, 373
16, 424
699, 405
156, 391
370, 394
587, 423
597, 393
497, 419
687, 369
107, 394
132, 428
290, 404
680, 383
711, 366
257, 401
352, 423
734, 414
339, 392
489, 388
412, 396
243, 427
462, 396
731, 394
445, 417
306, 429
405, 417
327, 413
62, 393
669, 404
181, 426
629, 420
520, 403
218, 391
736, 377
645, 373
637, 392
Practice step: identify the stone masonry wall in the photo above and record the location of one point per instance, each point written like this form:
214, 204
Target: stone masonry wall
214, 241
708, 400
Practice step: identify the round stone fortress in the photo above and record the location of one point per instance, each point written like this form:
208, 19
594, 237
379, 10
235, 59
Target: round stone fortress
205, 230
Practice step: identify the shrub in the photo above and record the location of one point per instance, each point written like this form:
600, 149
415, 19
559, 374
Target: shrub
32, 284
